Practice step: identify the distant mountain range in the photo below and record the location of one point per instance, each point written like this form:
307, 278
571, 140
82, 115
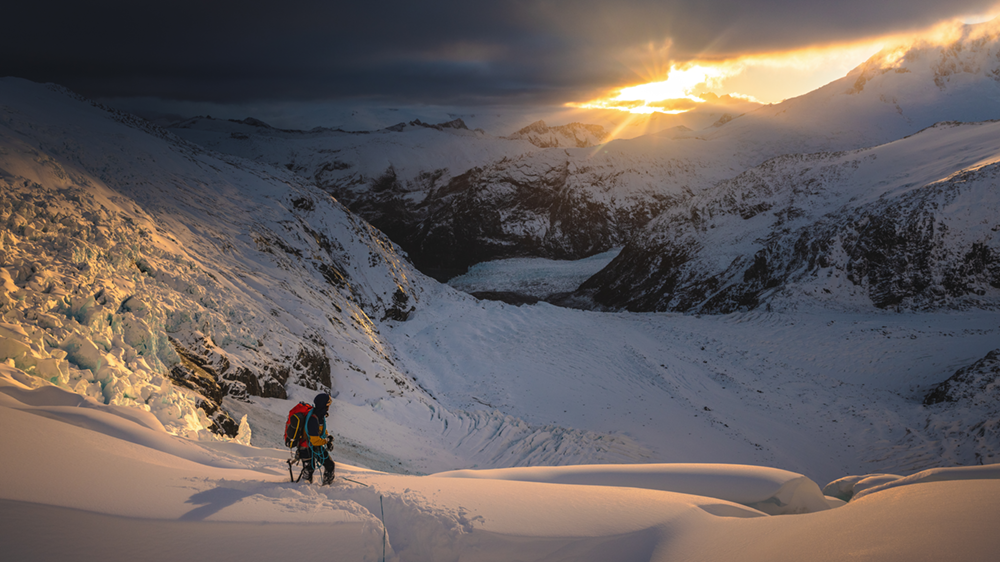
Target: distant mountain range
451, 197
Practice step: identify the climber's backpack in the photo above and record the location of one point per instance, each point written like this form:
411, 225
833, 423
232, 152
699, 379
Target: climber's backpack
295, 427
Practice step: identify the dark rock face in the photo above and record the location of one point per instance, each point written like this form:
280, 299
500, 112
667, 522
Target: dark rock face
399, 311
516, 299
194, 373
209, 370
976, 384
794, 220
494, 213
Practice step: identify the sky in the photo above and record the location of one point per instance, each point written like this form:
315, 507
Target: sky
450, 51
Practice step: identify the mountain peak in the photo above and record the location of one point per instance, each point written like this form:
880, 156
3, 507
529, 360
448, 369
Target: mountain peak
578, 135
966, 50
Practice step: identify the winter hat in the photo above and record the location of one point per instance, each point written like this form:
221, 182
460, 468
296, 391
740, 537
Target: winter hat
322, 402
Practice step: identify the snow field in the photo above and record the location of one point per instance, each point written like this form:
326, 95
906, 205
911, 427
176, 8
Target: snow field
536, 277
816, 392
127, 491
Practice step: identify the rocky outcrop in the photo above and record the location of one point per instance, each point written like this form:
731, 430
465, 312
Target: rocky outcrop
828, 227
977, 384
508, 209
965, 411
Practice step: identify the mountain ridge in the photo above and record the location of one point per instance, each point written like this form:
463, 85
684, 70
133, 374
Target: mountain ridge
865, 217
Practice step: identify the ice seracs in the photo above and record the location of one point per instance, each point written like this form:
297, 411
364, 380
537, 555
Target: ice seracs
133, 258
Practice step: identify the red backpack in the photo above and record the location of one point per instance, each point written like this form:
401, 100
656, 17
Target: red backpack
295, 427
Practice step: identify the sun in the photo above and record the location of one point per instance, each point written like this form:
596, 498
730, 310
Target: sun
680, 84
675, 94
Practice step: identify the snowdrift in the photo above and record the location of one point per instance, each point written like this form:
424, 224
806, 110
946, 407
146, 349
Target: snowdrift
769, 490
125, 490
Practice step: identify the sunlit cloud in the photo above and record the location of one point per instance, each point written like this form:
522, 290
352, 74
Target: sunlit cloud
767, 77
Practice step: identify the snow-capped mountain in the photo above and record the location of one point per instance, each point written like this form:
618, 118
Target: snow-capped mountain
908, 224
143, 275
576, 135
131, 256
897, 92
897, 225
452, 197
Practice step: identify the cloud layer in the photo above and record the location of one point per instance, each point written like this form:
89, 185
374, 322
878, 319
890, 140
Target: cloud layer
443, 51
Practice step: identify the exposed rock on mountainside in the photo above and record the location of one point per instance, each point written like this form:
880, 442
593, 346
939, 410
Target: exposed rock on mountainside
576, 135
452, 197
966, 408
457, 124
545, 206
977, 384
132, 258
835, 227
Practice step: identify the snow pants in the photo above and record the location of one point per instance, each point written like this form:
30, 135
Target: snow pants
305, 453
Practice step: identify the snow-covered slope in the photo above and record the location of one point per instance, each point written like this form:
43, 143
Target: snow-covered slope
133, 491
131, 257
144, 271
967, 406
953, 76
908, 224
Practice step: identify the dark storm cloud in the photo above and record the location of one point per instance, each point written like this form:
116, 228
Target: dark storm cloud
443, 50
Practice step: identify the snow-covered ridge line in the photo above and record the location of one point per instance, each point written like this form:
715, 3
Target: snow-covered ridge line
578, 135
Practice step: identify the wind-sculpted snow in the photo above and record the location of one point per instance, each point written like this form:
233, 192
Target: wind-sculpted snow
132, 259
769, 490
910, 224
135, 490
859, 486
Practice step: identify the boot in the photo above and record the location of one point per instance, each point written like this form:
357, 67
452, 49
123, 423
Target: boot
327, 477
307, 476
